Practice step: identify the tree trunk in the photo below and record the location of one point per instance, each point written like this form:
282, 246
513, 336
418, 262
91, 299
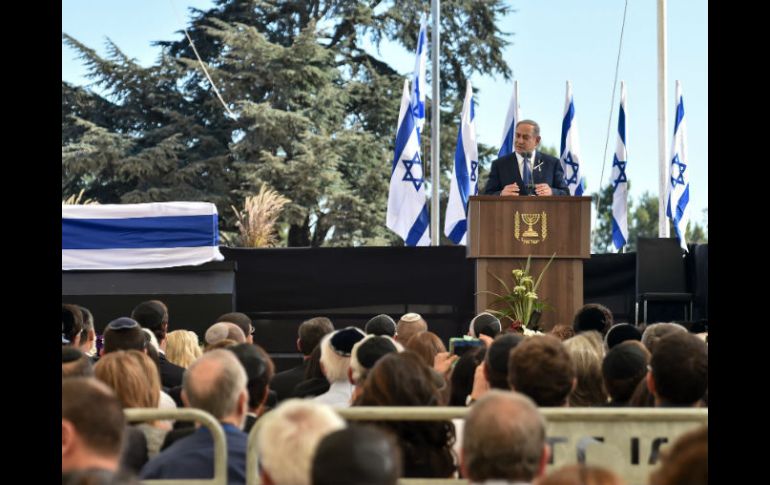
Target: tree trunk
299, 236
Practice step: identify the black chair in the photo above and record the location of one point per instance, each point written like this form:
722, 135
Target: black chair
661, 275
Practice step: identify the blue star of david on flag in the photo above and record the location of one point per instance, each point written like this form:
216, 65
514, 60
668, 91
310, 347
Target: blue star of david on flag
681, 167
622, 172
408, 176
677, 207
464, 182
570, 148
620, 180
574, 166
407, 213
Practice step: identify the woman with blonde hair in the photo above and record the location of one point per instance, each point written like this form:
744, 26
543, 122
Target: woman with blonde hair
134, 378
182, 347
586, 351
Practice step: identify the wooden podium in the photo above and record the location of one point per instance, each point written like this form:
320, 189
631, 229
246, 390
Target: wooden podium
503, 231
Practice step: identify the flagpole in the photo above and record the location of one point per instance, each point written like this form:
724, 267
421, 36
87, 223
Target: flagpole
435, 121
662, 122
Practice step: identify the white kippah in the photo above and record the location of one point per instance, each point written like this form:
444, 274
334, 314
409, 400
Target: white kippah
411, 317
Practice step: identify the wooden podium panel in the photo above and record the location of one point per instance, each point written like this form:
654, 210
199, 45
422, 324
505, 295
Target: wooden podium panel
504, 231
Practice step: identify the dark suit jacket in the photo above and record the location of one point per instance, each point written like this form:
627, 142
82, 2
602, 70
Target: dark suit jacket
193, 457
170, 374
283, 382
505, 171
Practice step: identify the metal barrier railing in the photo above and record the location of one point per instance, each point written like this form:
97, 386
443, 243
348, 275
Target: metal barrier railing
625, 440
187, 414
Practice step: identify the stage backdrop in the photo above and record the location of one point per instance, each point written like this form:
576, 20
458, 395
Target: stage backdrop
279, 288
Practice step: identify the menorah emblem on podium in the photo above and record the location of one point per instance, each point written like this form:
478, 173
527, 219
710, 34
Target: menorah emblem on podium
530, 235
530, 220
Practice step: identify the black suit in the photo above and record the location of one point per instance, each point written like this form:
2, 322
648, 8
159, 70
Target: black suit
170, 374
283, 382
505, 171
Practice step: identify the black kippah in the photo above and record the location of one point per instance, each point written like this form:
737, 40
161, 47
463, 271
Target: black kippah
375, 347
342, 341
622, 332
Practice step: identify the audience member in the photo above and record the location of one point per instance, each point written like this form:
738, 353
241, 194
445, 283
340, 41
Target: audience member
215, 383
624, 366
288, 439
621, 332
408, 325
678, 373
182, 347
242, 321
92, 426
485, 324
593, 316
335, 361
357, 455
309, 335
381, 325
504, 440
587, 352
541, 368
75, 363
402, 379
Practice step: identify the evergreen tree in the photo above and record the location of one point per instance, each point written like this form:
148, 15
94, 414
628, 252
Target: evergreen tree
316, 111
642, 222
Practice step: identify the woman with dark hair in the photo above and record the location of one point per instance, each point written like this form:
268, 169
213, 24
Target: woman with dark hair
462, 375
402, 379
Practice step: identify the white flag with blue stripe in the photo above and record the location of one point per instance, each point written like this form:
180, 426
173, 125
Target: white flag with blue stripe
138, 236
465, 174
620, 180
511, 118
570, 147
407, 200
417, 98
677, 208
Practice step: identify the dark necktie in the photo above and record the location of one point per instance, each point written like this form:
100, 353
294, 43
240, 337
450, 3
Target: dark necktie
527, 176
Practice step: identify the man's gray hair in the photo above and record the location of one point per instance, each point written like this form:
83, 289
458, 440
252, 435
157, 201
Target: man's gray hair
504, 438
653, 333
533, 124
214, 382
288, 439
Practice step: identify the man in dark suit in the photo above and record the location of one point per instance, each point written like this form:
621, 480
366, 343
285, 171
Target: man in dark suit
526, 171
153, 315
215, 383
309, 334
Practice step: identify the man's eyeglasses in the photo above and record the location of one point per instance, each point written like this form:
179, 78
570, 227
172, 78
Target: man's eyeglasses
251, 329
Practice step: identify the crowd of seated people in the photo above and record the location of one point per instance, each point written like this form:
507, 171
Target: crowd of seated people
148, 362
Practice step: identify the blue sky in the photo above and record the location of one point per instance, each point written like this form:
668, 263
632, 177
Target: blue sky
554, 41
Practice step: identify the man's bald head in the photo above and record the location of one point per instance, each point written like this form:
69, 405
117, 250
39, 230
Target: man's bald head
214, 382
504, 439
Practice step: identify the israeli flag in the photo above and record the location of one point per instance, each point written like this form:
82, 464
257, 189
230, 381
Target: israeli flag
513, 117
417, 98
407, 199
465, 181
139, 236
677, 208
570, 148
620, 180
